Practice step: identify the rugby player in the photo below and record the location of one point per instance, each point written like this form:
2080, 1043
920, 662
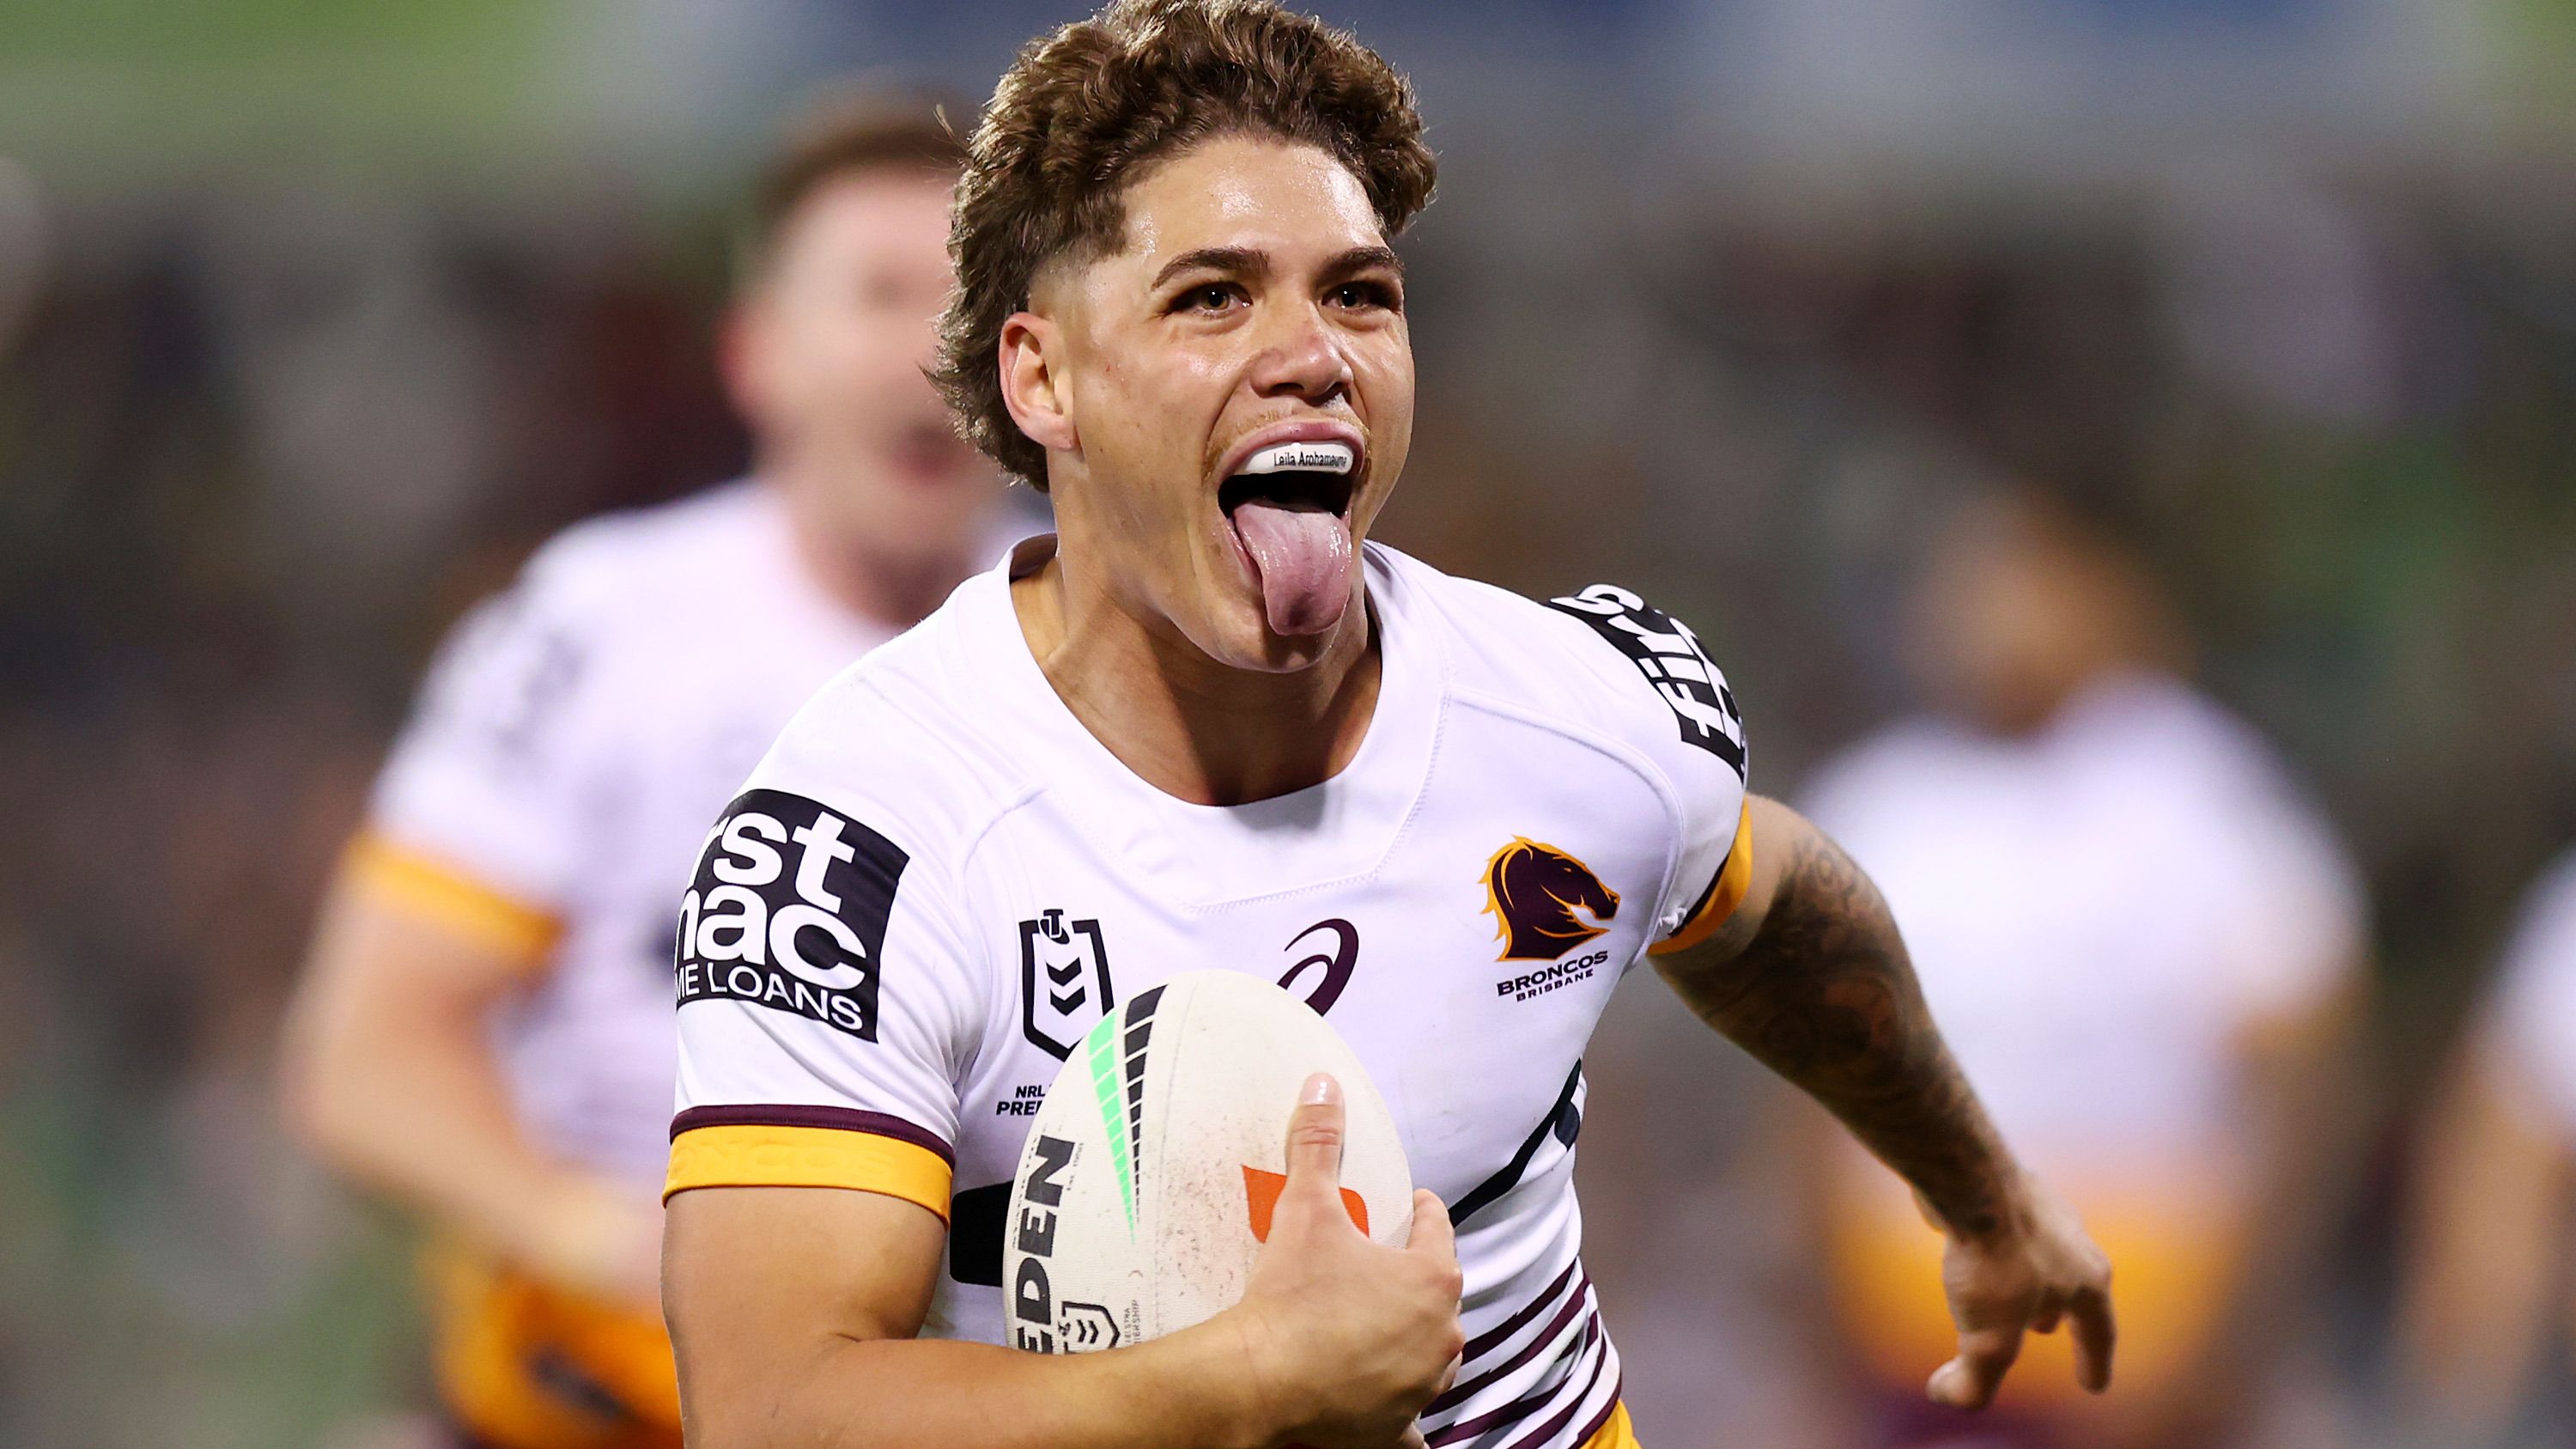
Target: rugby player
484, 1031
2211, 1014
2487, 1295
1208, 724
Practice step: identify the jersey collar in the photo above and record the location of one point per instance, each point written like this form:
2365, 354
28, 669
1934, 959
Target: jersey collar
1209, 855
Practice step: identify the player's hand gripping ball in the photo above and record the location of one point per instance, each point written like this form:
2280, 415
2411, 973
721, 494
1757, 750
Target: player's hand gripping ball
1146, 1186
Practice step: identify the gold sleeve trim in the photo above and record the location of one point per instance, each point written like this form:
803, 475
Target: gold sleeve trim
1724, 894
1616, 1432
750, 1156
421, 883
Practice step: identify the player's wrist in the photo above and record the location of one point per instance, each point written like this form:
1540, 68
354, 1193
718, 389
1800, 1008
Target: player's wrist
580, 1231
1230, 1380
1995, 1217
506, 1210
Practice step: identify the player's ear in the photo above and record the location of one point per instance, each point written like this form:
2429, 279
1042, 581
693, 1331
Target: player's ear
742, 358
1031, 387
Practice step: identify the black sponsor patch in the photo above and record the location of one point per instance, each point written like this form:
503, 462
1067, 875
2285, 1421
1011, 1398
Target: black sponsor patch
788, 911
1666, 651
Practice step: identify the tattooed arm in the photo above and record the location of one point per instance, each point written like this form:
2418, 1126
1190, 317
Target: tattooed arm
1810, 976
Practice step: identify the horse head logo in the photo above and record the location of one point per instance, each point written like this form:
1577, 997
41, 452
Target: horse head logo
1535, 891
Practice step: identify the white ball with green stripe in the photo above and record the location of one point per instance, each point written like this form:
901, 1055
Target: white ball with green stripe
1146, 1183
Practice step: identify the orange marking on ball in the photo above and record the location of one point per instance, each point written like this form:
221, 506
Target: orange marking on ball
1261, 1193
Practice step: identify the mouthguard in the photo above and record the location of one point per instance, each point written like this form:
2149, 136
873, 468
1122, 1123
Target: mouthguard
1301, 457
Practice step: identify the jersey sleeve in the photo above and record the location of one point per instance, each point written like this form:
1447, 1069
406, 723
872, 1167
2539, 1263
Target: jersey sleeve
1685, 718
474, 817
2532, 1017
2298, 904
829, 1004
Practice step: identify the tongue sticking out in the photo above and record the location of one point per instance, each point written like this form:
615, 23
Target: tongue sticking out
1300, 551
1303, 557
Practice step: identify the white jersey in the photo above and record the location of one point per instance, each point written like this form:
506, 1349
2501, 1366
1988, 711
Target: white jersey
552, 788
2533, 1018
939, 879
2105, 914
2109, 901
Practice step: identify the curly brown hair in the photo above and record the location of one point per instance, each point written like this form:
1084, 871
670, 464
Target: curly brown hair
1082, 109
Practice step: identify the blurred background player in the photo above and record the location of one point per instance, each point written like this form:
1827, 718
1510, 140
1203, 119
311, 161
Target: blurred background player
484, 1029
2143, 943
2488, 1285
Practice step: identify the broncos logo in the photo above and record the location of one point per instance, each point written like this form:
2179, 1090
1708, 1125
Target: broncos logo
1534, 891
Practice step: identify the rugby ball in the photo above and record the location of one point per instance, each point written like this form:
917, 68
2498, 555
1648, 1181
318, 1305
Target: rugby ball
1145, 1189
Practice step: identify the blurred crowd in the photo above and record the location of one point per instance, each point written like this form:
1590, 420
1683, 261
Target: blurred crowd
2167, 592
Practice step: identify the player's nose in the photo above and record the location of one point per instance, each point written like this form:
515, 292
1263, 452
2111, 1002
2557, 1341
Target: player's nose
1301, 357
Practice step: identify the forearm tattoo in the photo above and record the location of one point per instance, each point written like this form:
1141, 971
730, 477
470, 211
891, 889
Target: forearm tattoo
1823, 994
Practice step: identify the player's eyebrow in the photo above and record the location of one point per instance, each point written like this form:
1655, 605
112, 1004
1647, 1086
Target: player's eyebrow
1363, 259
1252, 262
1233, 261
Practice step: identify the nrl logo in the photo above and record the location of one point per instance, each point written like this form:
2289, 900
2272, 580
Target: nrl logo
1064, 981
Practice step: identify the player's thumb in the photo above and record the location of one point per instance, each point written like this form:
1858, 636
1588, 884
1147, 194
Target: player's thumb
1315, 1141
1433, 1235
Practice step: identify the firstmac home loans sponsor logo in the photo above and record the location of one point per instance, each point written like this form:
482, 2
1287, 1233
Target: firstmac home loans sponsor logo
788, 911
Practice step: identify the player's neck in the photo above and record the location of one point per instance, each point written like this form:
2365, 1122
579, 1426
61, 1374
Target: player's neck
884, 586
1193, 728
